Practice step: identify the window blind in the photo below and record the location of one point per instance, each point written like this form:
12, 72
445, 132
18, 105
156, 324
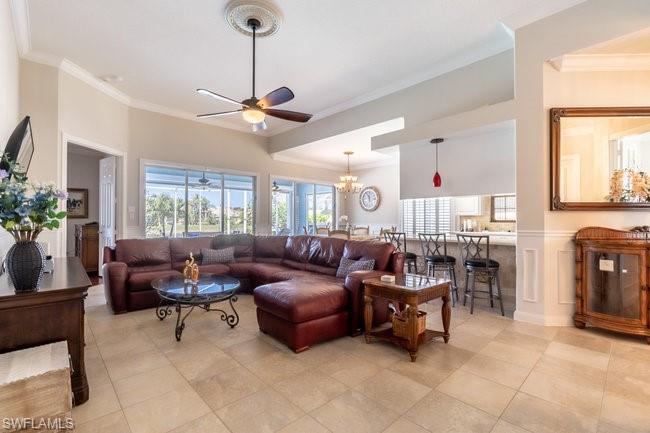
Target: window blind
427, 215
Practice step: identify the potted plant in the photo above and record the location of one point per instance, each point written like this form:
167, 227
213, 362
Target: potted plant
26, 209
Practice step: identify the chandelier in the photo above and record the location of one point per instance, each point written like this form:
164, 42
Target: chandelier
348, 183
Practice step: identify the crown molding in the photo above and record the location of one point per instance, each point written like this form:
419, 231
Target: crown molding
601, 62
88, 78
22, 31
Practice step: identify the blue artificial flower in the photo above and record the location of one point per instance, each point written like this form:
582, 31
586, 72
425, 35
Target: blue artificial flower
22, 211
3, 174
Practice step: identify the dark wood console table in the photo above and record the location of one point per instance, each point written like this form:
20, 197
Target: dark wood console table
612, 280
54, 313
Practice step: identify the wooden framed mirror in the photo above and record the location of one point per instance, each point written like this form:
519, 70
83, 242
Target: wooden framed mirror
600, 158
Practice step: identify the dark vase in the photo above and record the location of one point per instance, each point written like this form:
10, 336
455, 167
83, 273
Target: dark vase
24, 262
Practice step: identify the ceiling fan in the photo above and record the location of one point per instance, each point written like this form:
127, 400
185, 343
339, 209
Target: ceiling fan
253, 110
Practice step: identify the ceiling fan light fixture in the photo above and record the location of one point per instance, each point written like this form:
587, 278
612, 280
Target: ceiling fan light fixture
253, 115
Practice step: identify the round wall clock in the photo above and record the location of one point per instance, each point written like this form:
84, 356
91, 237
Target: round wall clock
369, 198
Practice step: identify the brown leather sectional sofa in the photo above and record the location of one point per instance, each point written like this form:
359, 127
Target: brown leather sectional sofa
299, 299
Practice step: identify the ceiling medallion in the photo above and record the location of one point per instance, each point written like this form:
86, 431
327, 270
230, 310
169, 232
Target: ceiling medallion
239, 12
348, 183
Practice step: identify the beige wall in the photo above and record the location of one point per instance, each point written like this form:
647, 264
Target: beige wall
83, 172
545, 251
8, 75
386, 179
482, 83
9, 90
159, 137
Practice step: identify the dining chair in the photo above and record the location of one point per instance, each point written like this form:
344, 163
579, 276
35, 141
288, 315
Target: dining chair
475, 256
341, 234
434, 251
398, 239
361, 231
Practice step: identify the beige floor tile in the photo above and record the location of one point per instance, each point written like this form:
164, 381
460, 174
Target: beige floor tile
629, 386
577, 394
477, 391
403, 425
349, 369
121, 324
579, 355
354, 412
545, 332
123, 365
496, 370
447, 356
199, 360
112, 423
639, 352
569, 370
626, 414
306, 424
143, 386
604, 427
96, 372
512, 354
438, 412
102, 401
477, 327
277, 367
426, 371
209, 423
523, 341
223, 336
579, 338
467, 340
541, 416
120, 343
265, 411
310, 389
382, 353
251, 350
505, 427
227, 386
393, 390
166, 411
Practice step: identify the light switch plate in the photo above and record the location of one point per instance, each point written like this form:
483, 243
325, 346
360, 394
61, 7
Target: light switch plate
606, 265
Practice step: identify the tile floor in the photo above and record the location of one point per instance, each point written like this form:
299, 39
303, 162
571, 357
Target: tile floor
495, 375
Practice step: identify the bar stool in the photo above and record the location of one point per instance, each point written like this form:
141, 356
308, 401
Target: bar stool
398, 239
434, 251
475, 262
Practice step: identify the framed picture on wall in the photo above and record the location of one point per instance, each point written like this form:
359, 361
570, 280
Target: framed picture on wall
77, 204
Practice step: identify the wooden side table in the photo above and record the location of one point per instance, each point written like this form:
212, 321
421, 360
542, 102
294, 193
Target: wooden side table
53, 313
412, 290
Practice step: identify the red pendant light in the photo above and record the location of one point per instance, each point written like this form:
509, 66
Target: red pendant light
437, 179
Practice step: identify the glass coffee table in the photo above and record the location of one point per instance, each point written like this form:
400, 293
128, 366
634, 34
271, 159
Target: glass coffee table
187, 295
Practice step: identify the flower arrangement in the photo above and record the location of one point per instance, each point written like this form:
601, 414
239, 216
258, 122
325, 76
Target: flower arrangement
28, 208
629, 185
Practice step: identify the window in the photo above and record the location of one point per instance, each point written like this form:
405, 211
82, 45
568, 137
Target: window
504, 208
186, 203
296, 206
427, 215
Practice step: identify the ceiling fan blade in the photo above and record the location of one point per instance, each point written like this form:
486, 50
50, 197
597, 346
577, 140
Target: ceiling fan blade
222, 113
276, 97
293, 116
219, 97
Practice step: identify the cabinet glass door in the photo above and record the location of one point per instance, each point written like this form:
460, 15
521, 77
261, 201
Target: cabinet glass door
613, 285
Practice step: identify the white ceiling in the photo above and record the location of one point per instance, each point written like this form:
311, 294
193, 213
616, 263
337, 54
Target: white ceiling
328, 152
331, 53
634, 43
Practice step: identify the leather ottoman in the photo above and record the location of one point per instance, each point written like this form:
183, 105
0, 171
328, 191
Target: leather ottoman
303, 312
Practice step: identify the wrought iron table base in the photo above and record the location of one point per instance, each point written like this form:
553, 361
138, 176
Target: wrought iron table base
163, 310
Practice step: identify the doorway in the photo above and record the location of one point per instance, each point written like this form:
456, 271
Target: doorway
93, 177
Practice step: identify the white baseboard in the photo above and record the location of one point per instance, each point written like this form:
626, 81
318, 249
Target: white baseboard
544, 320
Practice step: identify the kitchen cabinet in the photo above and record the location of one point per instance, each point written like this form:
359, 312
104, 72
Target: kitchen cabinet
469, 205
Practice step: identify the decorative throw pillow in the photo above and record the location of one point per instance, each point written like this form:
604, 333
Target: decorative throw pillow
223, 255
346, 266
